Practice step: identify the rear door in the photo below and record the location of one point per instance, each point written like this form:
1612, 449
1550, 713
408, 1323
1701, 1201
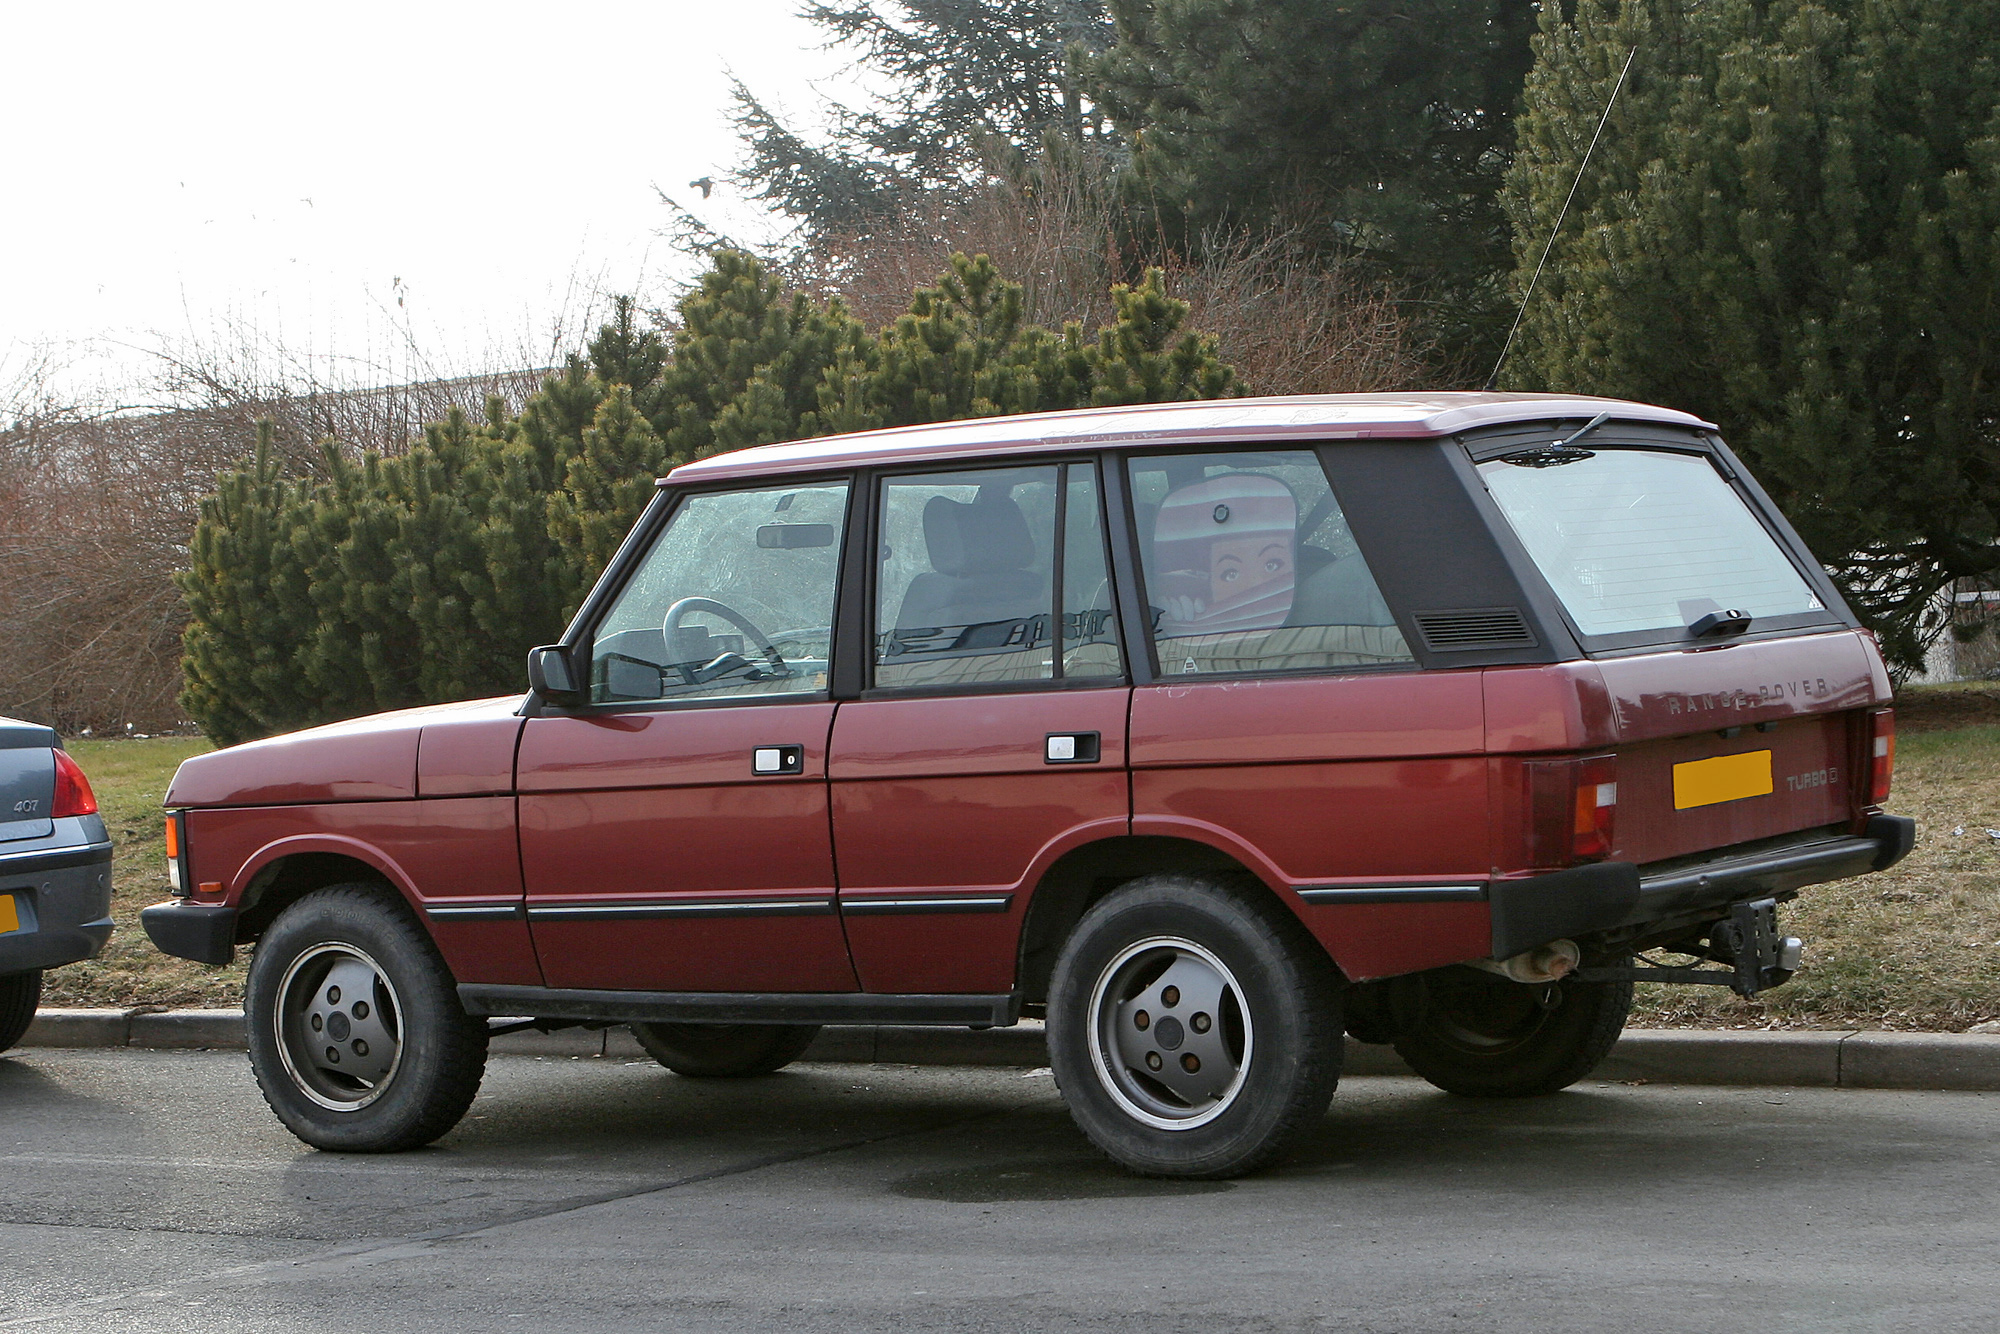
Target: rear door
674, 833
992, 736
1289, 724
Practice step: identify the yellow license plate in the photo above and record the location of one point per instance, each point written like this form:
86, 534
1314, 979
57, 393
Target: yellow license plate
10, 916
1724, 778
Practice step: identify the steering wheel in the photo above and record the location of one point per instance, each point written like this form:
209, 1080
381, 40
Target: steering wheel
680, 610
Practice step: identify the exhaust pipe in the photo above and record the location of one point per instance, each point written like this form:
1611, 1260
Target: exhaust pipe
1536, 967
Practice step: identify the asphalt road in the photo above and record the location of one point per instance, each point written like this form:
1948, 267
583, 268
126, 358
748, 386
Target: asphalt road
151, 1191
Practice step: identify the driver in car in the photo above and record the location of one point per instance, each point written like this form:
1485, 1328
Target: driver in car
1225, 546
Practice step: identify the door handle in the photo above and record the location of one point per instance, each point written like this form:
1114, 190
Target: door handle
1071, 748
769, 761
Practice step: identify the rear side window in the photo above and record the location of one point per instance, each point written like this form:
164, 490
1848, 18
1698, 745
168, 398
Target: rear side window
1250, 567
1634, 540
969, 566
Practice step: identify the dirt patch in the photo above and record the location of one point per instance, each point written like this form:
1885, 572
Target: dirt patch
1941, 708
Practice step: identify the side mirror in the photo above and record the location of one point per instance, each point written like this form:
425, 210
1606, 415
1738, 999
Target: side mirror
552, 675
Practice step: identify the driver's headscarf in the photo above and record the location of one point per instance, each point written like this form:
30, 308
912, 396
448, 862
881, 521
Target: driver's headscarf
1224, 547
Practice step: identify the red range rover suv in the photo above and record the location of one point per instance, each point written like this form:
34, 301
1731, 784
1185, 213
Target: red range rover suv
1212, 732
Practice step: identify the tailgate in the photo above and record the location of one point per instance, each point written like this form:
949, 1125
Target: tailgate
1685, 794
1720, 747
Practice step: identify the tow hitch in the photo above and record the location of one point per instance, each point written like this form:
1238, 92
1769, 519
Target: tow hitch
1747, 940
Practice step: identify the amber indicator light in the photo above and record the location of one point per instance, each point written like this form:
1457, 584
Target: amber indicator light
1573, 809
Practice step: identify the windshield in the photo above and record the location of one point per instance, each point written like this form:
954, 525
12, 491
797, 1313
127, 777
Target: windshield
1643, 540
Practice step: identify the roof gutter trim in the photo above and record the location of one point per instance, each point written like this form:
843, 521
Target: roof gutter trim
1050, 433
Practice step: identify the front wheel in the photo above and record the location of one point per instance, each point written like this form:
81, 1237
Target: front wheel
1484, 1036
725, 1051
355, 1031
20, 993
1192, 1029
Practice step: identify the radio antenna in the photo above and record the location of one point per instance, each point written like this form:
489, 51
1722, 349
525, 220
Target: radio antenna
1560, 215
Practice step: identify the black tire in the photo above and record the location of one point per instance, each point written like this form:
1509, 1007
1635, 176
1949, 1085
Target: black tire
20, 993
1128, 1000
1478, 1034
725, 1051
355, 1031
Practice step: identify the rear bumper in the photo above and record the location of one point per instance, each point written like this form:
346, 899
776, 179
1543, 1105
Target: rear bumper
203, 932
62, 899
1611, 896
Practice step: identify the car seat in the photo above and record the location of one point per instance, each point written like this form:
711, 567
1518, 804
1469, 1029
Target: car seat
981, 554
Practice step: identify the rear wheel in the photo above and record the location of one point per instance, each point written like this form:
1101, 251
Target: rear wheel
1484, 1036
355, 1031
20, 993
725, 1051
1193, 1031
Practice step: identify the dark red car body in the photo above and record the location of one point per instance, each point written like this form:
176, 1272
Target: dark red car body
922, 858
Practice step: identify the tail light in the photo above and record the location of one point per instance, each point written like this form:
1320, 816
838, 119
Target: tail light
73, 794
1572, 809
1881, 755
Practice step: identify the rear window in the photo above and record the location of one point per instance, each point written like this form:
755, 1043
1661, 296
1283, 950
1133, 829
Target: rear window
1634, 540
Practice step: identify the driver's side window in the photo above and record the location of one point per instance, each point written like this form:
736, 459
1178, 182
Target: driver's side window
735, 598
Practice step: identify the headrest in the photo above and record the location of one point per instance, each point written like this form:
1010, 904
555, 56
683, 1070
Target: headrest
984, 537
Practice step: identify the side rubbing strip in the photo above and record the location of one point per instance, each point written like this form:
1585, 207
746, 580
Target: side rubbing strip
1329, 894
927, 903
626, 912
474, 912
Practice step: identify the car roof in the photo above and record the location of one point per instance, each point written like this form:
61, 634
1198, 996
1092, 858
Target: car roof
1218, 421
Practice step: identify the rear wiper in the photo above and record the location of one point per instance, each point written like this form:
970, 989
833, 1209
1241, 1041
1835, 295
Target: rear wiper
1561, 452
1720, 623
1592, 425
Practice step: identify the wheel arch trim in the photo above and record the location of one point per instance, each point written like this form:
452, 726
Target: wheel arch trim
268, 864
1064, 885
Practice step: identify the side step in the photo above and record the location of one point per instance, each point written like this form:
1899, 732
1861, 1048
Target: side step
731, 1007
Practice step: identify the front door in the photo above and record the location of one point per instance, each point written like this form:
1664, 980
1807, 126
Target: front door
992, 737
674, 832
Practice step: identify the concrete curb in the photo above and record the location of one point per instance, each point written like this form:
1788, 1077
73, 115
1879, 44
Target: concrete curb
1794, 1058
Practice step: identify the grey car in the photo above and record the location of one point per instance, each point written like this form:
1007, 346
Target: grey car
55, 869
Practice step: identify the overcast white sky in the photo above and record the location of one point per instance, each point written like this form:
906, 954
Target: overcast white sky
292, 171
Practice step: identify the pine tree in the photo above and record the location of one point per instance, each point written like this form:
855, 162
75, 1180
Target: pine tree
1788, 228
960, 352
625, 353
969, 86
748, 359
1147, 356
245, 593
604, 487
361, 648
1380, 129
